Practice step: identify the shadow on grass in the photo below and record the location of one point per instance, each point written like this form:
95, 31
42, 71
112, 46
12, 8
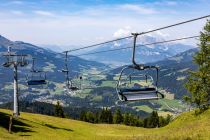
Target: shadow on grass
55, 127
17, 125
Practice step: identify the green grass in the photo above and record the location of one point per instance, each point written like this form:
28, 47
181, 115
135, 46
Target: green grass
180, 78
144, 108
166, 104
108, 84
41, 127
97, 98
8, 86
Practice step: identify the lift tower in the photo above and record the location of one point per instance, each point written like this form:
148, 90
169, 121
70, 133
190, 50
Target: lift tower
15, 60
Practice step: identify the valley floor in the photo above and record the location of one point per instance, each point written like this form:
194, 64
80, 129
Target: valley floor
40, 127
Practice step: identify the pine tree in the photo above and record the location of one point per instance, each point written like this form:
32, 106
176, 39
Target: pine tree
103, 116
90, 117
117, 118
126, 119
83, 116
164, 121
154, 119
146, 123
97, 119
168, 119
109, 116
59, 110
132, 119
198, 83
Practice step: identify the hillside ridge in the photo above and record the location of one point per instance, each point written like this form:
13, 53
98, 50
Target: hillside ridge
35, 126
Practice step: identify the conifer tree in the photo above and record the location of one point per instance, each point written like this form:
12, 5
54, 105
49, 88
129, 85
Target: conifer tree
198, 83
97, 119
109, 116
106, 116
90, 117
103, 115
59, 110
126, 119
83, 116
117, 118
154, 119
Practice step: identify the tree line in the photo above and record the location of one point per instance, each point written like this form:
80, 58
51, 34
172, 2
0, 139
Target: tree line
106, 116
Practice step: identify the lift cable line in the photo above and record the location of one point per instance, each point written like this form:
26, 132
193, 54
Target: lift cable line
154, 43
90, 46
169, 26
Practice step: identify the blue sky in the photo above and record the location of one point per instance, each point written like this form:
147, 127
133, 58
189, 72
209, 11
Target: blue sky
83, 22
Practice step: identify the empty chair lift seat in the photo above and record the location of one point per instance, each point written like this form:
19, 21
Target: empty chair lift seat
134, 94
37, 82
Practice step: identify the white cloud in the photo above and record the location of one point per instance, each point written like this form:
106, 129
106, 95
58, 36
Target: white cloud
159, 34
70, 28
43, 13
138, 8
122, 32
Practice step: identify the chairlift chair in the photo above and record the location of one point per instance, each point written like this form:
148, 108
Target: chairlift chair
137, 92
22, 61
69, 85
37, 77
8, 61
11, 56
8, 57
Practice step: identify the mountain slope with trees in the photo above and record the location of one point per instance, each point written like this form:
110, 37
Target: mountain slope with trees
173, 72
46, 60
36, 127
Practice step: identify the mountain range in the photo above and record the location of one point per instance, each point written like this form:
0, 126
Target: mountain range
144, 53
46, 60
98, 78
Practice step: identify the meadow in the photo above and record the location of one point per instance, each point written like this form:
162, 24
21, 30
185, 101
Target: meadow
41, 127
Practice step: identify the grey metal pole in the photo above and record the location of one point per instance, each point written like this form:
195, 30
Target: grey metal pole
16, 111
11, 62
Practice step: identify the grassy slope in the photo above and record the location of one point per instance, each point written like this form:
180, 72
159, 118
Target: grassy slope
38, 127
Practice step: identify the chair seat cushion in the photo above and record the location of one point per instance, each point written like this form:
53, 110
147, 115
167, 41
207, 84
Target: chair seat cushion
36, 82
141, 90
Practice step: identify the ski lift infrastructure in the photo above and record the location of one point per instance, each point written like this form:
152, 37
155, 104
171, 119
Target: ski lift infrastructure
128, 90
14, 60
136, 91
69, 84
36, 77
139, 83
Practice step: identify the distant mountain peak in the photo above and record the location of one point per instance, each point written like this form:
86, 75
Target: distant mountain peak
145, 53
